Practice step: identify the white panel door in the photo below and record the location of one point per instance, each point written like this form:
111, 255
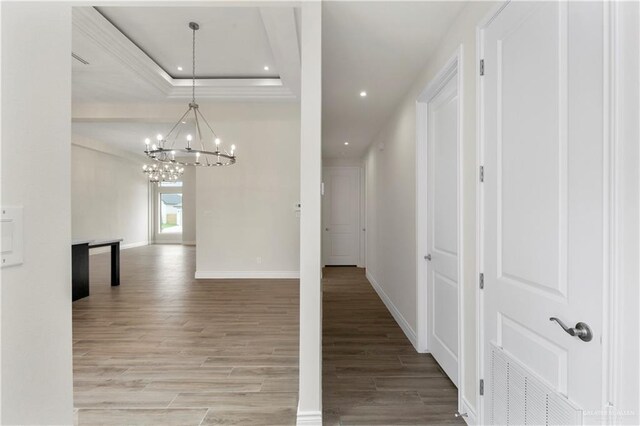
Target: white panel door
341, 215
442, 227
544, 194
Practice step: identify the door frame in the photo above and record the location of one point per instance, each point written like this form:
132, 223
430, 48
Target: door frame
453, 68
613, 327
158, 237
361, 215
480, 367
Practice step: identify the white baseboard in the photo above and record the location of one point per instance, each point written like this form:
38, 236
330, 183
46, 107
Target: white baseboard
122, 247
402, 322
133, 245
470, 418
247, 275
309, 418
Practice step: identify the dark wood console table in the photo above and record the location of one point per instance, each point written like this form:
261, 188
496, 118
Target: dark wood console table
80, 264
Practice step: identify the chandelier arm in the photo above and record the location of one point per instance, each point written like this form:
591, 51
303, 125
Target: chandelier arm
207, 123
195, 114
179, 121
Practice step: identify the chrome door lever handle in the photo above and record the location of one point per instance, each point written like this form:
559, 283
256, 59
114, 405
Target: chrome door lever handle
428, 257
581, 330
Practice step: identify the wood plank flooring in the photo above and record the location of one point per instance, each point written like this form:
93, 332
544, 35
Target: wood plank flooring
165, 349
372, 373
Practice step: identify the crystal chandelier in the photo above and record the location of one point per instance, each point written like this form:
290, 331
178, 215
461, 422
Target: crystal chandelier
163, 173
179, 147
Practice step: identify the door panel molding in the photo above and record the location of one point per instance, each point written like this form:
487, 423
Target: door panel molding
548, 164
518, 340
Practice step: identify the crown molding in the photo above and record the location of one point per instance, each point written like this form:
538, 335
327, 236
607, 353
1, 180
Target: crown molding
96, 27
89, 22
232, 88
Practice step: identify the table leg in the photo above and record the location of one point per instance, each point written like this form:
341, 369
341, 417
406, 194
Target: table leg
79, 271
115, 264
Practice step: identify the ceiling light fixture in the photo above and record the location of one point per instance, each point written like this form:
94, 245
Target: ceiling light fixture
266, 68
363, 94
162, 173
346, 143
194, 152
179, 68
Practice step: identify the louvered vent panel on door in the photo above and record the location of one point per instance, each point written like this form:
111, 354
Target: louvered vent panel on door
520, 398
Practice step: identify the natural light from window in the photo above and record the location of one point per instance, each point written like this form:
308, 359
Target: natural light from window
171, 213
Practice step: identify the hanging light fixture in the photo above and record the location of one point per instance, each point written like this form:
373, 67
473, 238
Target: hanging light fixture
163, 172
179, 148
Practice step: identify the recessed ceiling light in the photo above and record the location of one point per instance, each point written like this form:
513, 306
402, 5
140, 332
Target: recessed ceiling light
266, 67
346, 143
179, 68
363, 94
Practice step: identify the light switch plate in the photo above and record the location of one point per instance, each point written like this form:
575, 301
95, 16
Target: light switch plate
12, 243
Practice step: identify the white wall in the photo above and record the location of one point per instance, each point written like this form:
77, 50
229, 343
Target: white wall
247, 224
189, 206
341, 162
36, 138
390, 189
109, 194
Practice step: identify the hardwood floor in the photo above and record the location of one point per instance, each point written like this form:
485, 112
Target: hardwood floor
165, 349
372, 373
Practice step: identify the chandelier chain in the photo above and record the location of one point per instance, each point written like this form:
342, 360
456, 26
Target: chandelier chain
193, 68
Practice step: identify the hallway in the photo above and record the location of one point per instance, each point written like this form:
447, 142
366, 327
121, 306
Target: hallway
165, 349
371, 372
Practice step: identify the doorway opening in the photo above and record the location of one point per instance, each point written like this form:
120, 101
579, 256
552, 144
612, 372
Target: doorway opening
343, 216
169, 212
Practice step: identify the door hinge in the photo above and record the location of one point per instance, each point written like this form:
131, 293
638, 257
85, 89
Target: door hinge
481, 173
481, 66
481, 281
481, 387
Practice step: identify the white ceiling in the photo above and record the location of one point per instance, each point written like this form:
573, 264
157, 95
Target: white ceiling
132, 53
231, 42
379, 47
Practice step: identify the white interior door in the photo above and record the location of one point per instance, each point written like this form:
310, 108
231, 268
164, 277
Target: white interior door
442, 227
544, 203
341, 215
